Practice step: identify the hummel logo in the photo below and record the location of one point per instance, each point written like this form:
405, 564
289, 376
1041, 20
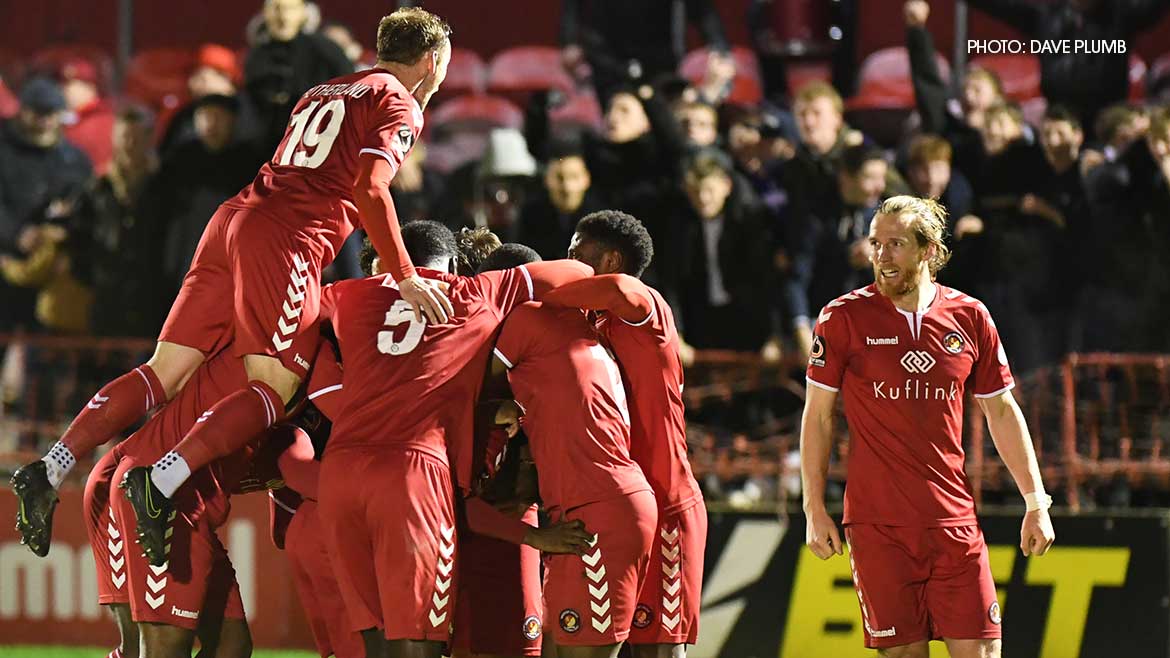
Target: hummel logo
184, 613
300, 361
881, 341
917, 361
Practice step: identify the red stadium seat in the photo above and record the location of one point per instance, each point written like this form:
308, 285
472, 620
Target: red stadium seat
159, 73
8, 103
885, 81
517, 72
802, 73
466, 74
48, 61
746, 88
1020, 74
476, 111
581, 110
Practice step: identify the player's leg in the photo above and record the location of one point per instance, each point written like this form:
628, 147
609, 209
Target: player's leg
593, 596
229, 638
660, 651
414, 649
196, 325
973, 648
127, 631
159, 640
961, 593
890, 567
920, 649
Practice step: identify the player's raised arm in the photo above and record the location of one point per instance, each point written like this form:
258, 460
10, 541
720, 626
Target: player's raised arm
620, 294
371, 195
816, 439
1009, 432
547, 275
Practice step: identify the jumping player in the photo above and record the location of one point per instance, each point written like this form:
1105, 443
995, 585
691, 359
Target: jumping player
902, 352
255, 277
638, 325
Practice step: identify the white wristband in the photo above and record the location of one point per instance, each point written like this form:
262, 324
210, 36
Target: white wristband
1037, 500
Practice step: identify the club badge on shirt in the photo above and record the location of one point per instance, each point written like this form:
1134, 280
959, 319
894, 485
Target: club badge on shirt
404, 139
816, 356
953, 342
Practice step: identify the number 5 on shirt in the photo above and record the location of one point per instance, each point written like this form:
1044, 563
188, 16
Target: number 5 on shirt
398, 314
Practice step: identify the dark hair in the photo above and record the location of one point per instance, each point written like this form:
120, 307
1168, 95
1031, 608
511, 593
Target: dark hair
622, 232
509, 255
136, 115
708, 161
229, 103
409, 33
565, 147
1062, 113
425, 242
853, 158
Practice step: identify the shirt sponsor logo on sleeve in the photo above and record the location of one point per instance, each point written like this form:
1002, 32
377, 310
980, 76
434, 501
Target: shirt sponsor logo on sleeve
816, 356
881, 341
953, 342
404, 140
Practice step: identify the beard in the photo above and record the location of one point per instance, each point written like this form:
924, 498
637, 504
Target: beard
902, 284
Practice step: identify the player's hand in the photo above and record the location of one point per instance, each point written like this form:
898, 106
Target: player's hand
968, 225
508, 416
822, 536
916, 13
563, 537
1036, 534
428, 298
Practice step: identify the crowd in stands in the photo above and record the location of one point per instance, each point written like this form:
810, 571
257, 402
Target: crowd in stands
759, 203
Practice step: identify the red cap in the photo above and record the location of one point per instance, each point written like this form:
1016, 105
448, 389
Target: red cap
78, 69
219, 58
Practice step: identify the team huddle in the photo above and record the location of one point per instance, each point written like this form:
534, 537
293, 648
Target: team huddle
408, 426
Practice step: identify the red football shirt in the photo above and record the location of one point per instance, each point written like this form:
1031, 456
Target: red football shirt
647, 353
308, 183
903, 377
574, 406
410, 384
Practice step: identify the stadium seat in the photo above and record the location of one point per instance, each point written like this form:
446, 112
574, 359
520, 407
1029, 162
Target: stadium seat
476, 111
802, 73
884, 81
466, 74
1020, 74
8, 103
582, 110
517, 72
47, 61
746, 88
159, 73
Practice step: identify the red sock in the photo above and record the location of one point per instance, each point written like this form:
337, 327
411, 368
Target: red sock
117, 406
230, 424
116, 653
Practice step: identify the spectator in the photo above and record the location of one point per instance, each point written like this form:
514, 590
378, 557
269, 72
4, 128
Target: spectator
216, 72
1084, 80
700, 122
124, 233
811, 175
549, 218
199, 175
713, 258
930, 175
50, 255
340, 34
285, 65
829, 246
90, 120
958, 121
41, 175
762, 143
626, 41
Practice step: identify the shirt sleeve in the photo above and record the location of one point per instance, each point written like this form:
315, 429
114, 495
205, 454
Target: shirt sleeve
325, 390
993, 376
518, 337
830, 351
396, 123
504, 290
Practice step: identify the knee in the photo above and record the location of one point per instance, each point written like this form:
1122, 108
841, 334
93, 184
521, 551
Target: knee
173, 365
990, 649
273, 373
236, 647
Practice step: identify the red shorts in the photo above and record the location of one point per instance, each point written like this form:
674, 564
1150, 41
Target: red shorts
500, 605
271, 275
106, 537
668, 606
389, 517
918, 584
196, 584
317, 586
591, 598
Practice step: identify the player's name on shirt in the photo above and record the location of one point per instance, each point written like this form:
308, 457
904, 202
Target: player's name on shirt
351, 89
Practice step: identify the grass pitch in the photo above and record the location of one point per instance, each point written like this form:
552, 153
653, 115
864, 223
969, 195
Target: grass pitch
40, 651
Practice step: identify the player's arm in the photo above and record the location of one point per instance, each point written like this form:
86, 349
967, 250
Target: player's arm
548, 275
1009, 432
621, 294
298, 469
371, 195
816, 440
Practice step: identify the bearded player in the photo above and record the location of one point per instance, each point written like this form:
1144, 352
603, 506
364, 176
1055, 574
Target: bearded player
255, 277
902, 352
638, 325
